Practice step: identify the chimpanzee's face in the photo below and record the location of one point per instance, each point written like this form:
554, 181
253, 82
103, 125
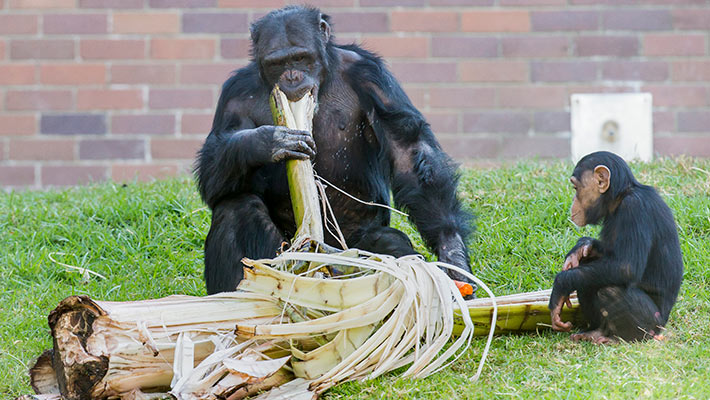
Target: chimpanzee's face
288, 56
586, 206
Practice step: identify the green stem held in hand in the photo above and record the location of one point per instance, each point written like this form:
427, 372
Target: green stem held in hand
301, 180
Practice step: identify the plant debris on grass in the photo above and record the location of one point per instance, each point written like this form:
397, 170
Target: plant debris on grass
147, 240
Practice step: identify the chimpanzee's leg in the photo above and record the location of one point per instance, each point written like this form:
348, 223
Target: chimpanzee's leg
241, 227
589, 304
628, 313
619, 313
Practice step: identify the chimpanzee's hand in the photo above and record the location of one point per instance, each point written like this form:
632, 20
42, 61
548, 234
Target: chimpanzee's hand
290, 144
578, 253
453, 252
277, 143
555, 315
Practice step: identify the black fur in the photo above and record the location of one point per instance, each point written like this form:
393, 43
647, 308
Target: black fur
370, 139
631, 278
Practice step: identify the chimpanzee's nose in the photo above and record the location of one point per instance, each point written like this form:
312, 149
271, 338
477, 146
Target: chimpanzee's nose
292, 76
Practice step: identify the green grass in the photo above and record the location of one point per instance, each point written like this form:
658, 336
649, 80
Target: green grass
147, 240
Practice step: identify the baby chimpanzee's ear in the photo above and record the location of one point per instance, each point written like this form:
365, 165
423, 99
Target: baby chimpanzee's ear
602, 176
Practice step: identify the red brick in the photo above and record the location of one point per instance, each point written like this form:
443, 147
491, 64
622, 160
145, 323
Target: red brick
683, 145
42, 49
17, 125
182, 3
635, 2
162, 149
458, 3
691, 19
75, 23
67, 175
182, 48
111, 3
142, 172
462, 147
447, 122
464, 46
635, 70
17, 74
18, 24
235, 48
495, 21
393, 3
181, 98
564, 20
16, 176
424, 21
459, 97
73, 74
39, 100
674, 45
424, 72
552, 121
153, 73
143, 124
537, 146
42, 149
663, 121
107, 99
41, 3
416, 95
111, 149
251, 3
534, 46
354, 21
635, 19
694, 121
563, 71
532, 97
205, 73
221, 22
112, 49
521, 3
620, 46
388, 46
146, 22
691, 70
73, 124
493, 71
678, 96
330, 3
196, 123
496, 122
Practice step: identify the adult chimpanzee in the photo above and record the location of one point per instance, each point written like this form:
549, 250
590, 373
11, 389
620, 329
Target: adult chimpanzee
369, 137
628, 280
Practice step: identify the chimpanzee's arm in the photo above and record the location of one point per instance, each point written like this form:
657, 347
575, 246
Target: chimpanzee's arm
585, 250
622, 264
424, 178
236, 146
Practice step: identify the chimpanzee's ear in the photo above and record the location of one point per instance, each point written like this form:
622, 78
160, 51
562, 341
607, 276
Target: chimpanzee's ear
325, 27
602, 177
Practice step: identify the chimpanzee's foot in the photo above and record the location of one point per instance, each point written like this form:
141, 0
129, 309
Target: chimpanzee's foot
596, 337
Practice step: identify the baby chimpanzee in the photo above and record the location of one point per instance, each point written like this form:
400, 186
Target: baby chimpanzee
628, 280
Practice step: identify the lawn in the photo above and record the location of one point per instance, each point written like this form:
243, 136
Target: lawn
147, 239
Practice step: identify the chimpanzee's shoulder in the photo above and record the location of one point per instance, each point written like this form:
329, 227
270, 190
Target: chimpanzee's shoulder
243, 82
353, 55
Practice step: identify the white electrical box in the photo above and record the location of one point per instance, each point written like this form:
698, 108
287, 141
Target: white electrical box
618, 122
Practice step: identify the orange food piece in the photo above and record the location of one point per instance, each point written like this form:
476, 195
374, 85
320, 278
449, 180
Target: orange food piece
464, 288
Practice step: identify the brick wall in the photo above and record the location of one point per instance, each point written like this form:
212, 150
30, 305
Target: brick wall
117, 89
